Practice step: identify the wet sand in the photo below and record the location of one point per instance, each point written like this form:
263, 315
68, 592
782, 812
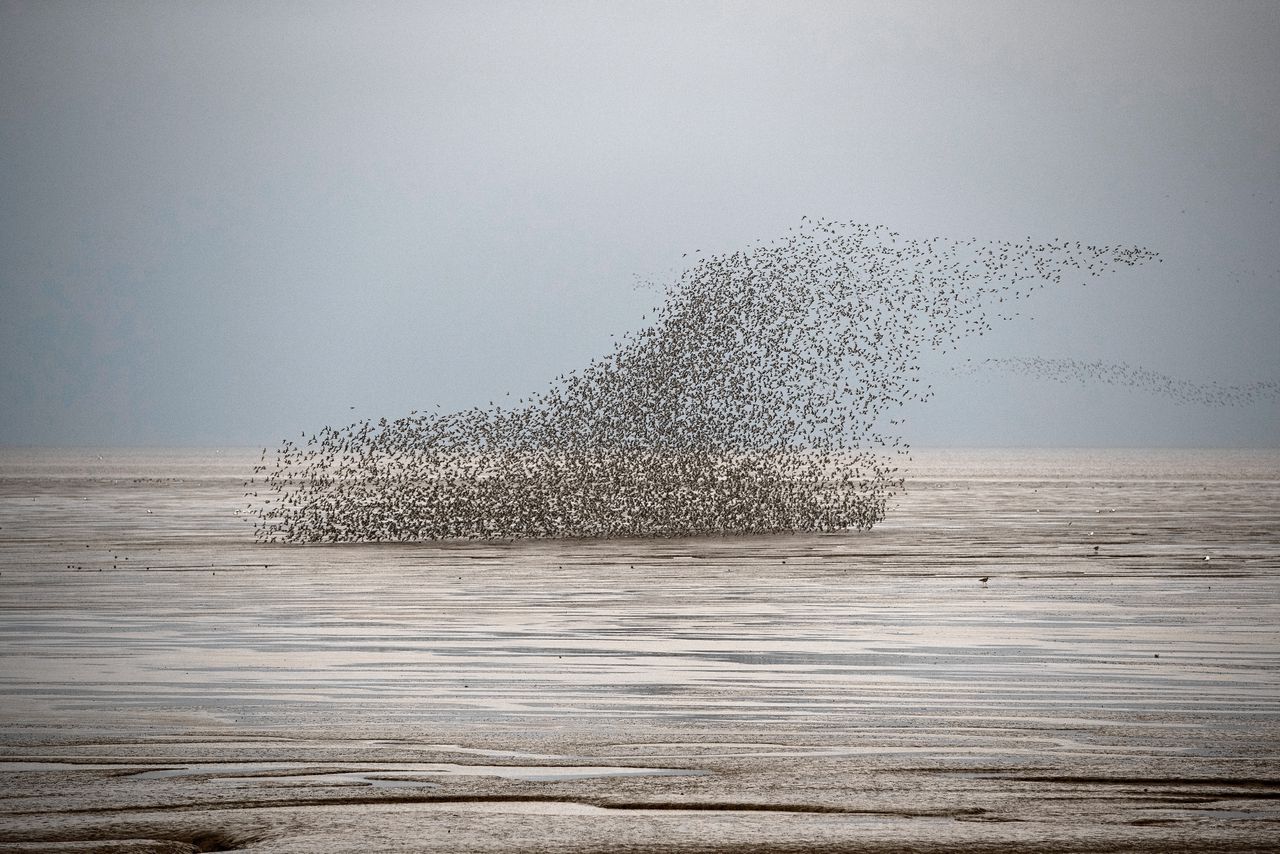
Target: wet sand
167, 685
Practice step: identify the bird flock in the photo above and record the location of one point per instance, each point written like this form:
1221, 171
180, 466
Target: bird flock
758, 399
1128, 376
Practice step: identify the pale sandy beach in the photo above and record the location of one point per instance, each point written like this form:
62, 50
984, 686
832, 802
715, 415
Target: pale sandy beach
167, 685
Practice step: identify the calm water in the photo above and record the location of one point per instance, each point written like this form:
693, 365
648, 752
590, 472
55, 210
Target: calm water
168, 682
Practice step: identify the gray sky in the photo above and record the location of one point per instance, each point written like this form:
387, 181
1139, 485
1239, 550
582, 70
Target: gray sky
222, 223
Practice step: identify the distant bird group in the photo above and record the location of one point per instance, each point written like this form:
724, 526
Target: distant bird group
1129, 376
754, 402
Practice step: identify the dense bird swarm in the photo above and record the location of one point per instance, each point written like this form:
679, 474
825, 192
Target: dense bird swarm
1129, 376
755, 402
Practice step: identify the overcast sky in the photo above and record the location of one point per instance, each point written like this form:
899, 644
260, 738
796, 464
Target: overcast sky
222, 223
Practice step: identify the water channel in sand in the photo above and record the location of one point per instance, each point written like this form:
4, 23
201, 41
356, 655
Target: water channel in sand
169, 685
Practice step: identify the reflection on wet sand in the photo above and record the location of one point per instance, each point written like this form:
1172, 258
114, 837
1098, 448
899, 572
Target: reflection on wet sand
167, 682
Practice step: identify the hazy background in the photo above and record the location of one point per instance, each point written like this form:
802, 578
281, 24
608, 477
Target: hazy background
223, 223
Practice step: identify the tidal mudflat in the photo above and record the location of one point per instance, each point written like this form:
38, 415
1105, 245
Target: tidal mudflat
168, 685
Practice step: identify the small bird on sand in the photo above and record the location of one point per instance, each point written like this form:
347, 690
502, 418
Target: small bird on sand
984, 579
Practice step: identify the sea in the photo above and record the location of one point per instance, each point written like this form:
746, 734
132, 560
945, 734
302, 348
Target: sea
1037, 650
